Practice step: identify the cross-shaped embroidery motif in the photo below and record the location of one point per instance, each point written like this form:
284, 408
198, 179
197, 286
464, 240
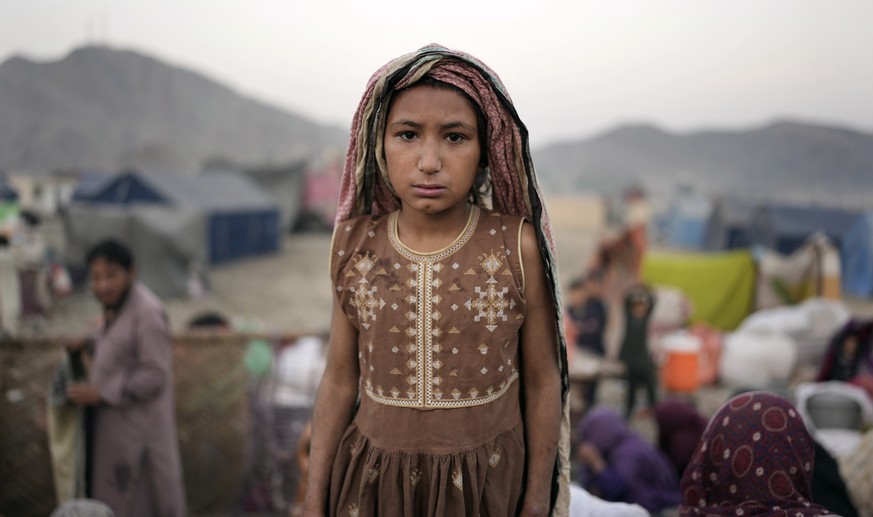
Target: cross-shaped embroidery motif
490, 305
490, 302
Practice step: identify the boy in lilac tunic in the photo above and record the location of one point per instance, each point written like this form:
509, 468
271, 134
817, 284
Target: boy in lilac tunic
133, 453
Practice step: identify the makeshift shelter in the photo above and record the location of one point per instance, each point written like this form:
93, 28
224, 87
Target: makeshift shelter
283, 185
240, 220
42, 192
90, 183
813, 270
166, 243
720, 286
685, 222
857, 258
7, 193
728, 225
175, 225
785, 228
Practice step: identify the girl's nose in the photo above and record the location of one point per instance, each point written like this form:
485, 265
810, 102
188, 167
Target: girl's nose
429, 161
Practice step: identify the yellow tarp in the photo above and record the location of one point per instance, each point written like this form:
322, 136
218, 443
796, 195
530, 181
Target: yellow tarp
721, 286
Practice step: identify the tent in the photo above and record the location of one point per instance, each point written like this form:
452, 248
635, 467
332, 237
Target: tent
7, 193
240, 219
90, 183
728, 224
685, 222
857, 257
785, 228
284, 186
166, 244
721, 286
811, 271
174, 225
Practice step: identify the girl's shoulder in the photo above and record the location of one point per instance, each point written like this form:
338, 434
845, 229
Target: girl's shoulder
350, 229
352, 234
499, 221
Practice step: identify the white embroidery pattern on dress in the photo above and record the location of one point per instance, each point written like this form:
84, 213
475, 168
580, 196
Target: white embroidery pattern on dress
364, 299
423, 338
491, 303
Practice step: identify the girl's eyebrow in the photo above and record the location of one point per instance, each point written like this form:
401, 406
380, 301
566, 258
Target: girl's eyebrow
447, 125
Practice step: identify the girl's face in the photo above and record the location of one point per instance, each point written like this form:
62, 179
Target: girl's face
432, 149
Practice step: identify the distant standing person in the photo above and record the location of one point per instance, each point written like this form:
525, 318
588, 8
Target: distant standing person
133, 453
638, 305
588, 313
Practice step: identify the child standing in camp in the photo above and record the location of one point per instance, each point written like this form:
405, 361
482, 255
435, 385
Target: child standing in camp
638, 305
444, 392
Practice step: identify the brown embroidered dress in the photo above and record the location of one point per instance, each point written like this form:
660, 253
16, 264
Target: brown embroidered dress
438, 431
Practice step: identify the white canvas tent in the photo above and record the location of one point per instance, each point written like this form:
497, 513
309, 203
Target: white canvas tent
166, 244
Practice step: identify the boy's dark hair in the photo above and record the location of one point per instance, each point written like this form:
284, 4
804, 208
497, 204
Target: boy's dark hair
111, 251
208, 320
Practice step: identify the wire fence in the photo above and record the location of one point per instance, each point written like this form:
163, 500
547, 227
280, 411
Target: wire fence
237, 445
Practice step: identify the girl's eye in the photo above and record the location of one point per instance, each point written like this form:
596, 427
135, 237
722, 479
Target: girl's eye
455, 137
406, 135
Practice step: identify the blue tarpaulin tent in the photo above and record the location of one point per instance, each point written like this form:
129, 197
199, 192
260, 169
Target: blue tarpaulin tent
240, 220
728, 226
685, 222
857, 257
90, 183
785, 228
7, 193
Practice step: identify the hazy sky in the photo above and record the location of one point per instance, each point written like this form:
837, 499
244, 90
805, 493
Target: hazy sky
573, 68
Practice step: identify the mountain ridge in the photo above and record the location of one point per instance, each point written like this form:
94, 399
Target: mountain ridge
104, 108
787, 158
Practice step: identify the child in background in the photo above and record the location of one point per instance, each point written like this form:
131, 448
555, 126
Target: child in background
635, 354
588, 316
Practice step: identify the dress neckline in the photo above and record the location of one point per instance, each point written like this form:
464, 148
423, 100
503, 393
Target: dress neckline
411, 254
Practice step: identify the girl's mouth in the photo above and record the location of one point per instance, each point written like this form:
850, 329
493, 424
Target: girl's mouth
428, 190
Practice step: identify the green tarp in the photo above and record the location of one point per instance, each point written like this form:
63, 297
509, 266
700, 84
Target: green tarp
721, 286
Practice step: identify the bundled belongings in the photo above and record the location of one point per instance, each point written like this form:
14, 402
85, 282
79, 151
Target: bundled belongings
809, 325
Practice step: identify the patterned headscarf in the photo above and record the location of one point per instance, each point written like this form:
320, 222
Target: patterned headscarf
365, 188
754, 459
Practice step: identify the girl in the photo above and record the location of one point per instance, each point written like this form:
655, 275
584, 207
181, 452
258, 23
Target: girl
445, 388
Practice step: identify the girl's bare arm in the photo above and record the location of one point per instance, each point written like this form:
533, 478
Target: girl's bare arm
334, 405
541, 379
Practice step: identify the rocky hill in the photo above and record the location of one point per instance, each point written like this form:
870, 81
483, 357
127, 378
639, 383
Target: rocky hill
101, 108
786, 159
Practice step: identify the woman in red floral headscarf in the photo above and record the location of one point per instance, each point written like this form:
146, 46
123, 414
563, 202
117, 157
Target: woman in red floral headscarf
754, 459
